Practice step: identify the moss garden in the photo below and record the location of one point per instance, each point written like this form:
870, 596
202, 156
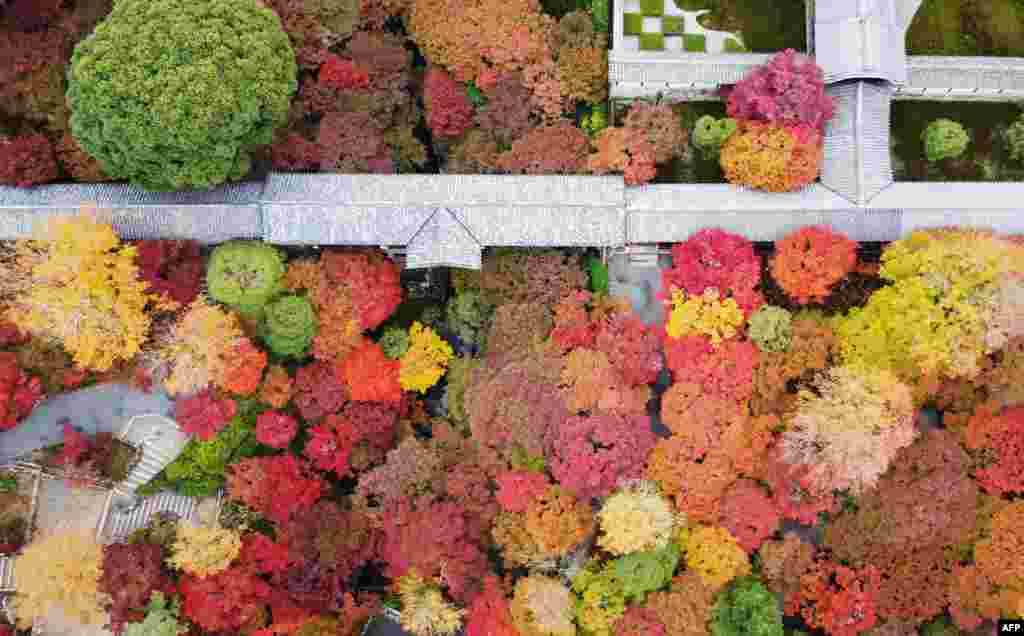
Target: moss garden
804, 436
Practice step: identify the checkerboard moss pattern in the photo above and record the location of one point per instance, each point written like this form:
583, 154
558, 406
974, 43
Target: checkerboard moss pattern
652, 25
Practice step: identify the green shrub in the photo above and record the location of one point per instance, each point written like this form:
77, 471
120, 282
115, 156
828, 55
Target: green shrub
643, 572
1015, 140
672, 24
8, 482
289, 324
771, 328
596, 120
394, 342
161, 619
199, 470
652, 42
746, 608
600, 12
467, 317
245, 275
944, 139
709, 134
170, 94
598, 275
694, 43
633, 24
161, 529
652, 8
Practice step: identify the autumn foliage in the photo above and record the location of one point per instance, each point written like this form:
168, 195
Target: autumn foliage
276, 486
204, 414
714, 258
19, 391
229, 601
772, 157
27, 160
789, 89
837, 599
809, 261
999, 435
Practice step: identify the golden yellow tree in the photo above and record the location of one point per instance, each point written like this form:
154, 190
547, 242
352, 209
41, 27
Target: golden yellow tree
61, 570
205, 550
77, 285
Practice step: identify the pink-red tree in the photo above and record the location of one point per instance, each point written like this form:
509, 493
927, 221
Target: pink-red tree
716, 259
204, 414
590, 455
27, 160
275, 429
277, 487
789, 89
449, 113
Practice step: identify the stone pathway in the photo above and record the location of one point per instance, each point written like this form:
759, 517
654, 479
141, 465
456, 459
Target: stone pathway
104, 407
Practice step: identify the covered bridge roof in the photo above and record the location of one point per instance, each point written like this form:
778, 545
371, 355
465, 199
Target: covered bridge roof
863, 39
228, 212
446, 219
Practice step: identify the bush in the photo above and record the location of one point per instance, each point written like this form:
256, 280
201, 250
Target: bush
1015, 140
131, 573
771, 329
718, 259
200, 348
426, 360
647, 571
772, 157
449, 113
202, 551
277, 487
61, 570
600, 598
199, 470
204, 414
709, 134
588, 455
245, 275
230, 601
636, 518
19, 391
395, 342
601, 13
789, 89
425, 612
542, 606
246, 372
944, 139
746, 608
715, 555
77, 284
161, 619
288, 326
27, 160
850, 429
172, 268
809, 261
169, 94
